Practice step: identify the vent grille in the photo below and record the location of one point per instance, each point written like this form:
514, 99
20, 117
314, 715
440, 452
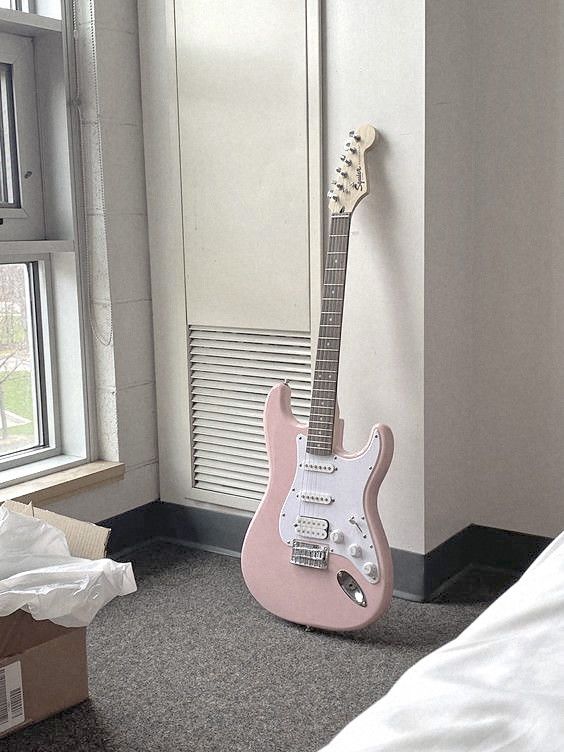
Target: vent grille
231, 373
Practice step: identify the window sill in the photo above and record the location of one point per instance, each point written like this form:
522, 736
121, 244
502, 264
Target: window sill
28, 24
49, 488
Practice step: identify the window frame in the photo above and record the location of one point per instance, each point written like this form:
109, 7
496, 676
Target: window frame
68, 345
17, 51
9, 145
43, 326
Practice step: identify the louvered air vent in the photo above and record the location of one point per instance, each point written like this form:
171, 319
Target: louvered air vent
231, 373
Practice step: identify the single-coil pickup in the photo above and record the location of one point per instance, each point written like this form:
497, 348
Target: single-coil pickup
320, 467
312, 527
315, 498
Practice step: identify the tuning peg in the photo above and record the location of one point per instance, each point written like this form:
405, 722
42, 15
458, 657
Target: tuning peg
350, 148
338, 185
354, 134
345, 159
342, 173
332, 196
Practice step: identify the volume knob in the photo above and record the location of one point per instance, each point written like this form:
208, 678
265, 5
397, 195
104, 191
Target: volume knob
337, 536
370, 569
354, 550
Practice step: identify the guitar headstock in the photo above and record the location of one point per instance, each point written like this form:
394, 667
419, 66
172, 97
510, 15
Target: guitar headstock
351, 183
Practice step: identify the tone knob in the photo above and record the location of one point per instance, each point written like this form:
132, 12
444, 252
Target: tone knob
354, 550
370, 569
337, 536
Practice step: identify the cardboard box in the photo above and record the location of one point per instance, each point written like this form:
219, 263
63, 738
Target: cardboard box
43, 667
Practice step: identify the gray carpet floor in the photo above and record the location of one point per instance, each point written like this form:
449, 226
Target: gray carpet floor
191, 663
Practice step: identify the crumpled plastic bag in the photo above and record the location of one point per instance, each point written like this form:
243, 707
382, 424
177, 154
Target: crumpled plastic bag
39, 575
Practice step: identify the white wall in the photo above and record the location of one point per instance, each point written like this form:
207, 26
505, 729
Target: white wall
454, 316
124, 368
494, 316
449, 265
518, 293
374, 72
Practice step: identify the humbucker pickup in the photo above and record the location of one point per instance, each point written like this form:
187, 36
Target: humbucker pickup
312, 527
315, 498
313, 555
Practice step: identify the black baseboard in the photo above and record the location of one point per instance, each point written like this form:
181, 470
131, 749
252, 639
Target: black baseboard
416, 576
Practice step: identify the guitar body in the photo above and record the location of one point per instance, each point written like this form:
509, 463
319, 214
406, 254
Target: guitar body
305, 594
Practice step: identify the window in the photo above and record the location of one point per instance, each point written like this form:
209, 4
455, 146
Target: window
43, 423
20, 161
24, 5
9, 178
23, 424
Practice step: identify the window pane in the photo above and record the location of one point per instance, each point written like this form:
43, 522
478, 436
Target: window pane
20, 425
9, 180
51, 8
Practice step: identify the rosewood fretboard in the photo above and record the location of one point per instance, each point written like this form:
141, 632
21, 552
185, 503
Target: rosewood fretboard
324, 391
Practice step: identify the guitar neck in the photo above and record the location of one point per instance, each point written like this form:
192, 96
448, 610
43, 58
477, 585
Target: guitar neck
324, 391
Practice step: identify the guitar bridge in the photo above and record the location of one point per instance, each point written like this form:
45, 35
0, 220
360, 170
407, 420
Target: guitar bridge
312, 555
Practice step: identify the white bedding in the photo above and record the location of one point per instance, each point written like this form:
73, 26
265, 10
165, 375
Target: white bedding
498, 686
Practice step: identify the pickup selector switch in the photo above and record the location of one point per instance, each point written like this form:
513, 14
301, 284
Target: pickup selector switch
354, 550
337, 536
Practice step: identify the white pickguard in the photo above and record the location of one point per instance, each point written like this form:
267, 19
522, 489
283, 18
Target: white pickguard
345, 484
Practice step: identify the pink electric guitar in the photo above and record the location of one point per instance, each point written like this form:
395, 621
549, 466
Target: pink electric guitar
315, 552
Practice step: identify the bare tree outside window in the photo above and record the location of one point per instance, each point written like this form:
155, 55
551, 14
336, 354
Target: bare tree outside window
19, 423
